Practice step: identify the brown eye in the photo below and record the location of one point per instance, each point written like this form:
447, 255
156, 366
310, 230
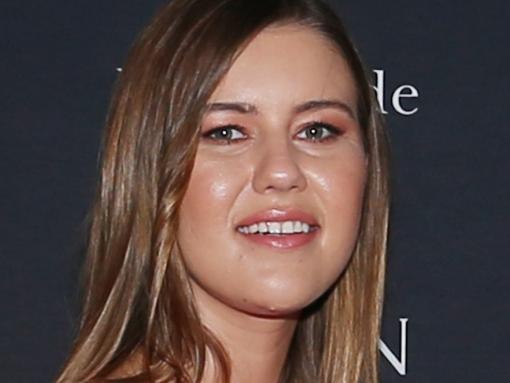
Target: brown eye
319, 131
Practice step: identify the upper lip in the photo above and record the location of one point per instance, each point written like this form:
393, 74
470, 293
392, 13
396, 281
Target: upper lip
279, 215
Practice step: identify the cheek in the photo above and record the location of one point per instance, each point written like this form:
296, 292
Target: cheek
212, 189
339, 179
204, 215
339, 190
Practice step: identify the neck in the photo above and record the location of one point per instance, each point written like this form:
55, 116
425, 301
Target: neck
257, 346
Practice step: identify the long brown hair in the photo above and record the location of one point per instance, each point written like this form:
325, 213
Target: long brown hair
137, 299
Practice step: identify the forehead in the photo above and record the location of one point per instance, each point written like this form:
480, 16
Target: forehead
288, 63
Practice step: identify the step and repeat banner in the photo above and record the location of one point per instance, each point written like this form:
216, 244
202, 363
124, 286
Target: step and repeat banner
441, 75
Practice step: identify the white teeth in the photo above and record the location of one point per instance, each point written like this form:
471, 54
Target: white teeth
274, 227
263, 227
287, 227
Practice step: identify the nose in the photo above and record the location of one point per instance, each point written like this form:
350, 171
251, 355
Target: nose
278, 169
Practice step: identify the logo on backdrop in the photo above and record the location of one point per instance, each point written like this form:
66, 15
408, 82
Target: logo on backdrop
402, 99
399, 363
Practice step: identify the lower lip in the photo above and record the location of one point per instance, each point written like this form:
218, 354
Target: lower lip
283, 242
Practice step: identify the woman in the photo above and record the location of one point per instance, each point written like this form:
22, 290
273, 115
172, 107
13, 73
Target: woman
239, 229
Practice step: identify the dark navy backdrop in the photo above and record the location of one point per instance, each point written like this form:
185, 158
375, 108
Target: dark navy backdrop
446, 91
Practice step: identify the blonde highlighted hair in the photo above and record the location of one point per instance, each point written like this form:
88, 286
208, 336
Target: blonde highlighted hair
138, 304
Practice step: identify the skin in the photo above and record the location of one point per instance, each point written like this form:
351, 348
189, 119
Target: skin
250, 295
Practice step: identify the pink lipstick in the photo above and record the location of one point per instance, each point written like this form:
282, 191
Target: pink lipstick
279, 228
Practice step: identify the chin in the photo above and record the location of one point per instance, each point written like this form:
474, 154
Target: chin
280, 303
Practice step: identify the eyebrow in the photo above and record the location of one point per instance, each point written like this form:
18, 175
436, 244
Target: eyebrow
245, 108
325, 104
239, 107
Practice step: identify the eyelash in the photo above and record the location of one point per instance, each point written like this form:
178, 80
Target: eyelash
208, 135
333, 131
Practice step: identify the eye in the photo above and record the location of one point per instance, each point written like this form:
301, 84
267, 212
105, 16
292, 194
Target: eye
226, 134
319, 131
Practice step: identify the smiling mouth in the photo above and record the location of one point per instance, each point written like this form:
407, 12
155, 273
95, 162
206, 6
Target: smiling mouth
280, 229
281, 236
276, 228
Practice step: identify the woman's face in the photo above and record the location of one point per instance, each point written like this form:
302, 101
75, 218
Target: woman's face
272, 211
